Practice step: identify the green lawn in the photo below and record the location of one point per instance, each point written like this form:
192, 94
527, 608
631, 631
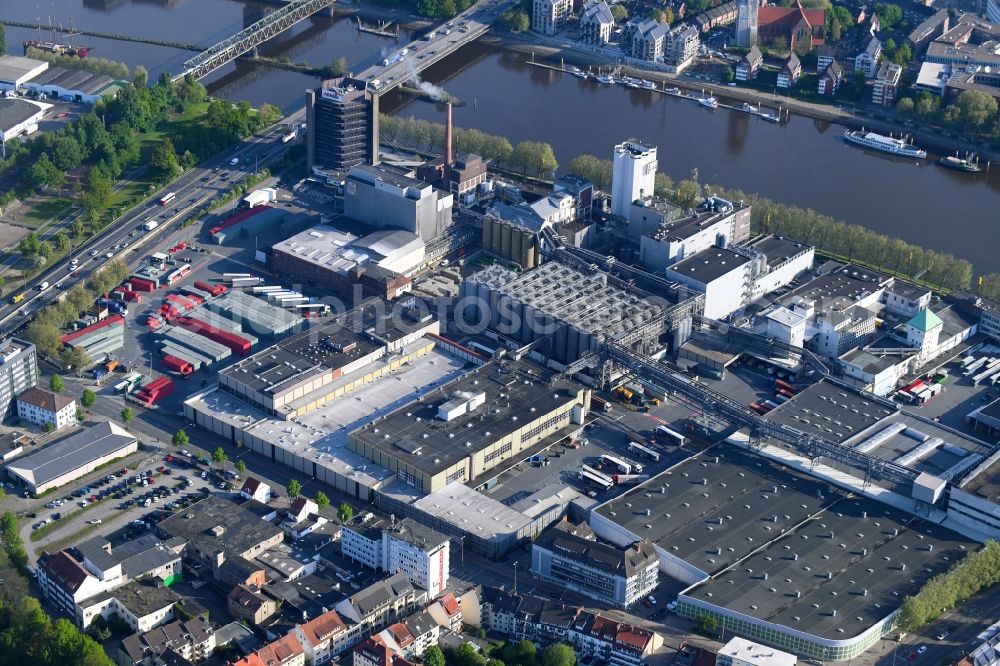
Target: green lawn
45, 210
171, 129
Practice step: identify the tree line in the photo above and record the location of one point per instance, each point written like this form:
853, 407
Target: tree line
47, 328
851, 242
112, 68
523, 653
973, 112
529, 157
30, 636
976, 571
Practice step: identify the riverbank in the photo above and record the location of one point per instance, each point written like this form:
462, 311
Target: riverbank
582, 58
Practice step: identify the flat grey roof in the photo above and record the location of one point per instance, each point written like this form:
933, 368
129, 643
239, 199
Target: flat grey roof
16, 111
139, 598
778, 249
516, 393
13, 68
239, 529
830, 411
66, 455
837, 290
876, 556
681, 514
709, 265
335, 344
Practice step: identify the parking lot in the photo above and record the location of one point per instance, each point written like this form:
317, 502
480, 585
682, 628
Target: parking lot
122, 501
960, 397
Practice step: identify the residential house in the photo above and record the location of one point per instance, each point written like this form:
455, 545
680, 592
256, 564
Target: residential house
286, 651
42, 407
193, 640
255, 489
383, 602
447, 612
250, 604
596, 23
322, 638
749, 65
887, 84
830, 79
374, 652
549, 16
65, 583
680, 47
867, 60
649, 40
790, 72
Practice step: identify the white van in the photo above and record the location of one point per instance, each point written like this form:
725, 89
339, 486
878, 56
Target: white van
234, 161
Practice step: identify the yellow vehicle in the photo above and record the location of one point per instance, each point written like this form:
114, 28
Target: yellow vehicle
18, 298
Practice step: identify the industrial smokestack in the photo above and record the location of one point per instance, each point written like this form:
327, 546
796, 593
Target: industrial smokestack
447, 139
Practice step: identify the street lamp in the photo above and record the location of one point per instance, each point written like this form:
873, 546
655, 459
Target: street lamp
515, 576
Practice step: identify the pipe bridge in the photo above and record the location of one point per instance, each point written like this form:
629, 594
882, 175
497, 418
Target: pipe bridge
250, 37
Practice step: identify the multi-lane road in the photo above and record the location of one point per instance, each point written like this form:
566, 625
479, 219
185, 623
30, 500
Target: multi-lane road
122, 239
464, 29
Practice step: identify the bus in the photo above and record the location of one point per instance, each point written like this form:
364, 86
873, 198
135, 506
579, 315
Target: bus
669, 436
620, 465
601, 482
639, 449
167, 198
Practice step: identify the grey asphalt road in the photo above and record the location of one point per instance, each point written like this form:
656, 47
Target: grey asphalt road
192, 190
963, 625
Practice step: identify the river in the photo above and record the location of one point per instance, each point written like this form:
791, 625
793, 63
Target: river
803, 162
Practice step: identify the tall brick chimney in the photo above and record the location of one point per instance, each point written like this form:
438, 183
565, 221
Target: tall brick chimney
447, 140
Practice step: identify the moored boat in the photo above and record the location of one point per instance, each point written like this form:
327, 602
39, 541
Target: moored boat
959, 164
885, 144
709, 102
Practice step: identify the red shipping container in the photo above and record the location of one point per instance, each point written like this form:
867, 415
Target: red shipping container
142, 284
133, 297
194, 297
171, 362
179, 303
213, 289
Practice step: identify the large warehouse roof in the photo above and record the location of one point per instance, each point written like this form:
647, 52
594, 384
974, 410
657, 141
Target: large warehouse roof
13, 112
491, 402
710, 514
62, 457
15, 69
839, 573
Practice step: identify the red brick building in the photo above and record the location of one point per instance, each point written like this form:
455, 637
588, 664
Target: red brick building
801, 29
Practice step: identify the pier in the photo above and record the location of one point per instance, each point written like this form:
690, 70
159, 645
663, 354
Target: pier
653, 87
382, 28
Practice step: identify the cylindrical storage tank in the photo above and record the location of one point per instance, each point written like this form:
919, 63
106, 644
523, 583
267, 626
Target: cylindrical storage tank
487, 233
508, 233
573, 342
496, 302
531, 256
516, 243
495, 243
560, 351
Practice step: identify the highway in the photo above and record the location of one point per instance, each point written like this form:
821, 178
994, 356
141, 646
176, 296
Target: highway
125, 237
464, 29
